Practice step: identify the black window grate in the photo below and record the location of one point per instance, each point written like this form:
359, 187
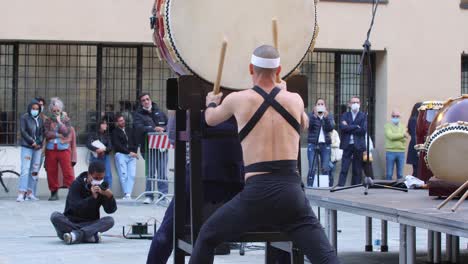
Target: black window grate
464, 75
155, 75
7, 95
93, 81
67, 71
334, 77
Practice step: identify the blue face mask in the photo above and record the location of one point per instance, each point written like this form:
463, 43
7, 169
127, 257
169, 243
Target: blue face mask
395, 120
34, 112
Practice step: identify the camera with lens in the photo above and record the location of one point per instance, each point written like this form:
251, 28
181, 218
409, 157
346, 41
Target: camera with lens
104, 186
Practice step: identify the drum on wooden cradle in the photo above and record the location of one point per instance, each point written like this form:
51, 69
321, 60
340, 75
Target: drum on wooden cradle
188, 35
447, 143
426, 113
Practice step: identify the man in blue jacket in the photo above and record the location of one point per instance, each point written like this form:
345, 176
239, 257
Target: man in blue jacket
353, 126
149, 118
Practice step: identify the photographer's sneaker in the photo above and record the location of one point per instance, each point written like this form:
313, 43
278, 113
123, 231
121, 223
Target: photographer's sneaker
96, 238
148, 200
20, 198
69, 238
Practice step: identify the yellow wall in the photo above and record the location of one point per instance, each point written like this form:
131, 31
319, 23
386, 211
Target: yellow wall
421, 43
84, 20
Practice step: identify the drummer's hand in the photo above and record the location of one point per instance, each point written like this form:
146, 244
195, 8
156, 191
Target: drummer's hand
282, 85
213, 98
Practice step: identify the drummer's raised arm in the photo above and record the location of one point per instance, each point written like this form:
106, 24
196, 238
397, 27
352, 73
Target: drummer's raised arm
216, 112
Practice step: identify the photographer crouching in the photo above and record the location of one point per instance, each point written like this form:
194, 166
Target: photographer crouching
81, 221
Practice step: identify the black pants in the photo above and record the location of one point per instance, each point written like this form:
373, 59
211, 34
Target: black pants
353, 156
85, 230
267, 200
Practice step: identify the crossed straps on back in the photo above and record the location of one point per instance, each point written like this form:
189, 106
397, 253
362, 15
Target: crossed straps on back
269, 100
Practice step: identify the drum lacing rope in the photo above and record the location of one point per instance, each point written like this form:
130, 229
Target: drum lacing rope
451, 127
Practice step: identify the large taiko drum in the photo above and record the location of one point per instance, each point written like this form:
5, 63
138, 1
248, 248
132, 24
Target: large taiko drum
426, 113
447, 145
189, 35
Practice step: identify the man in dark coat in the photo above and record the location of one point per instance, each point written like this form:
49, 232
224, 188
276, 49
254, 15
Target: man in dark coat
149, 118
353, 126
81, 221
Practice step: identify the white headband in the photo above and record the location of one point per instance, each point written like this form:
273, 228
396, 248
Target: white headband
265, 63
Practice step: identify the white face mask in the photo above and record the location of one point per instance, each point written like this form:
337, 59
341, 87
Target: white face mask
96, 182
355, 107
320, 109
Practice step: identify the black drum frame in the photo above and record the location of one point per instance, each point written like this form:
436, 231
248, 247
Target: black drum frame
186, 95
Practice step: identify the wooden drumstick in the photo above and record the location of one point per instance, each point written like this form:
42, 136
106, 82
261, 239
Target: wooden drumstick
465, 185
462, 199
274, 23
216, 86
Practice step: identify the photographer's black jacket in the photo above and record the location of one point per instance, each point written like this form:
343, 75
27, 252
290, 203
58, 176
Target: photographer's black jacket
81, 206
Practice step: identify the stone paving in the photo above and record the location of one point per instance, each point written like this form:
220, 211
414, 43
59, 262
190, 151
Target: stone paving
26, 236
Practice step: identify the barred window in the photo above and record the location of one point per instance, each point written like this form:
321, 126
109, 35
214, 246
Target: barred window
464, 75
155, 75
62, 70
94, 82
334, 77
7, 95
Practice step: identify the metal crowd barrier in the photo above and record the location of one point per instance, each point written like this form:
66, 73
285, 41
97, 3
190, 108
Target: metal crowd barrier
156, 166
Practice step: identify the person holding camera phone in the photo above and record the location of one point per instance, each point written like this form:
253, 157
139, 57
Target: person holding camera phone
319, 142
81, 221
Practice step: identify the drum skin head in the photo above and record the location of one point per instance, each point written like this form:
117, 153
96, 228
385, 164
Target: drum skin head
447, 156
196, 30
447, 141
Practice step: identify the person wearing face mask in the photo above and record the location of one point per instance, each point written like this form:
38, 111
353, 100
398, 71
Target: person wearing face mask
319, 142
395, 145
32, 138
81, 221
59, 136
353, 126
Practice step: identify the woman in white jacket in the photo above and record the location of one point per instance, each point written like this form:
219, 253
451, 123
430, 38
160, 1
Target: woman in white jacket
336, 152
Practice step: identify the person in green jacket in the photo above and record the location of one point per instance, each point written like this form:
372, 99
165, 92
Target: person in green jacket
395, 145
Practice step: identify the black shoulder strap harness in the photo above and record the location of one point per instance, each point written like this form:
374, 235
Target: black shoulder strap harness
269, 100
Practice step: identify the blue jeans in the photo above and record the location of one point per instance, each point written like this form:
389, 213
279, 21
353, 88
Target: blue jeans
393, 158
126, 168
325, 153
157, 169
106, 160
30, 163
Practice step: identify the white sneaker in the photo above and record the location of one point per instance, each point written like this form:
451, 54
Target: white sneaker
127, 196
96, 238
20, 197
69, 238
148, 200
31, 197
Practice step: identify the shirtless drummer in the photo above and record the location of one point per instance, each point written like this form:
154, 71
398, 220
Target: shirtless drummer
269, 121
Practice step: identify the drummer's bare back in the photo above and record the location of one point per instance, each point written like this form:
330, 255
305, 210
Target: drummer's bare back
272, 137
